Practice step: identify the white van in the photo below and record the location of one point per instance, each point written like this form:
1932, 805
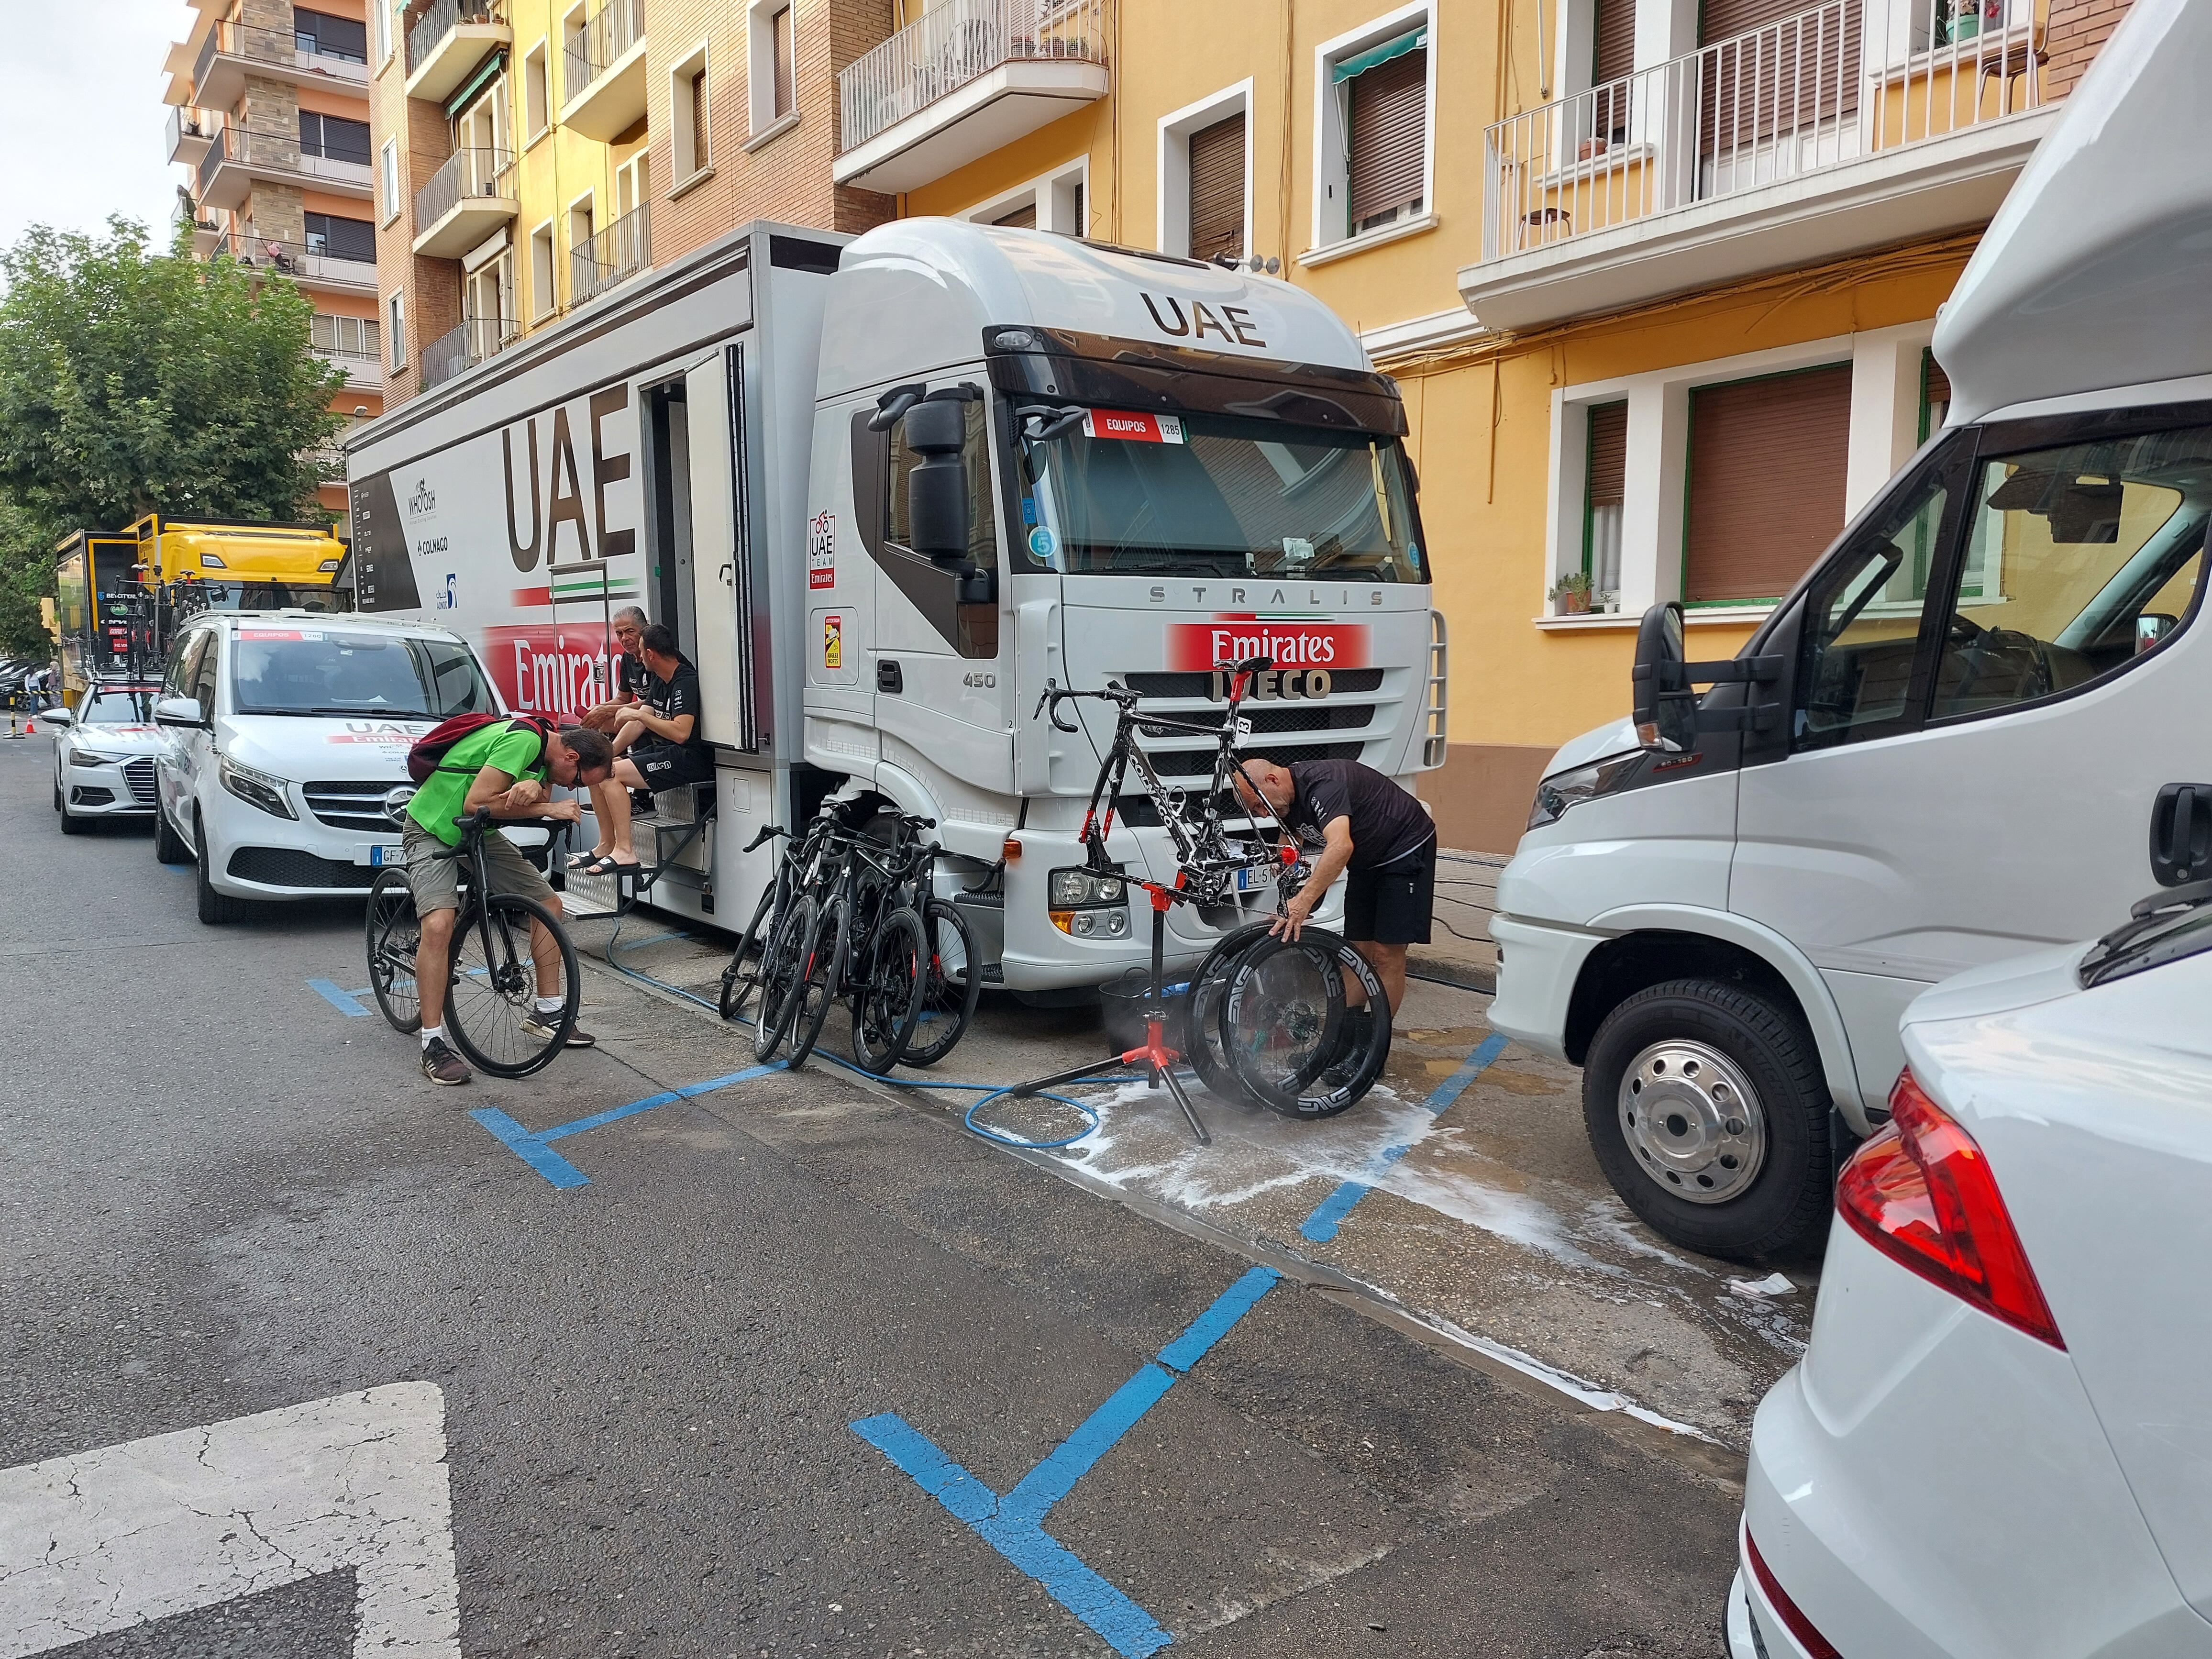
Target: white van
285, 738
1952, 743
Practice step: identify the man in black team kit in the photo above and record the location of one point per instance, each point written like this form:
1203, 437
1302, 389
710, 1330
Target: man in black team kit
1362, 823
657, 743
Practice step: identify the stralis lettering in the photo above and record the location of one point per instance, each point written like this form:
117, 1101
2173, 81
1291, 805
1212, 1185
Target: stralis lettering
1292, 643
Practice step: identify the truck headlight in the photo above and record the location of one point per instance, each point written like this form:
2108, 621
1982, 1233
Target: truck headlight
1571, 788
1086, 906
255, 789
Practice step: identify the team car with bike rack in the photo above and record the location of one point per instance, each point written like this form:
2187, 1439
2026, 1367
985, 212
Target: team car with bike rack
104, 754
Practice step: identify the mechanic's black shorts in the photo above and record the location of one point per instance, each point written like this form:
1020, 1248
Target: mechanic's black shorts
672, 765
1391, 905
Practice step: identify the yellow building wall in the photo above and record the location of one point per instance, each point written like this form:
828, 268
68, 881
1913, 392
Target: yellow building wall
553, 167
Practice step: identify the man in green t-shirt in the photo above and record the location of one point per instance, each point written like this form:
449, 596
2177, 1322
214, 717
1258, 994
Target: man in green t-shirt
504, 766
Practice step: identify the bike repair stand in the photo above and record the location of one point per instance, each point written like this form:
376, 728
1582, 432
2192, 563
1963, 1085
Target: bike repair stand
1154, 1057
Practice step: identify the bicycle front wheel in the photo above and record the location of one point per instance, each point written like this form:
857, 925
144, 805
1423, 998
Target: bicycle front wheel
888, 991
742, 978
821, 977
781, 984
492, 1007
393, 932
948, 1001
1297, 1041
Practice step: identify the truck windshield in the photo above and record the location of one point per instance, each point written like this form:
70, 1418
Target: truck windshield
313, 670
1146, 494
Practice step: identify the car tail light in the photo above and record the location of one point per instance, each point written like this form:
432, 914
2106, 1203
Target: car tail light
1791, 1615
1921, 1193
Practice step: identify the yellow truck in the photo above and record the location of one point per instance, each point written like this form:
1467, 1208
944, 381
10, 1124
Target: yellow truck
119, 594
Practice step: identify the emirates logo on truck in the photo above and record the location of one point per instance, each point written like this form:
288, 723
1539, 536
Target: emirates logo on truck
1305, 654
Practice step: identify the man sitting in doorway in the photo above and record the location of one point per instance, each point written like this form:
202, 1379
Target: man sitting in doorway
630, 673
657, 745
1364, 823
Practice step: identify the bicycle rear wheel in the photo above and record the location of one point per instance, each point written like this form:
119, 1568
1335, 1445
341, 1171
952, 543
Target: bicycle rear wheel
888, 990
781, 984
821, 977
742, 978
1302, 1047
948, 1001
394, 931
493, 995
1209, 988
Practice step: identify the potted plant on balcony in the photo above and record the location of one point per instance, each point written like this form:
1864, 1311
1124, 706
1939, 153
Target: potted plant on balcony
1968, 19
1571, 593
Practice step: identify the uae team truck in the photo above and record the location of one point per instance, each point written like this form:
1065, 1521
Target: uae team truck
885, 492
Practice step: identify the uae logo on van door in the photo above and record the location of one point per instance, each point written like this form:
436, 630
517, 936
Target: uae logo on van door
822, 551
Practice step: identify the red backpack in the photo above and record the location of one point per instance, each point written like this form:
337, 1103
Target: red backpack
431, 748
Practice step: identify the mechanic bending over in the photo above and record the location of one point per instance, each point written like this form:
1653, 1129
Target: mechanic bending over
1364, 823
657, 745
503, 766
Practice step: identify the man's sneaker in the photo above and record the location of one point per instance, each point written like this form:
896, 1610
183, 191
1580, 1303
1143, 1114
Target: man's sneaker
442, 1066
539, 1026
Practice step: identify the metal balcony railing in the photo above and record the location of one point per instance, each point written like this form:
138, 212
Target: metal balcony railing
1838, 81
183, 124
312, 258
276, 151
621, 251
473, 172
956, 43
238, 40
475, 340
424, 33
607, 33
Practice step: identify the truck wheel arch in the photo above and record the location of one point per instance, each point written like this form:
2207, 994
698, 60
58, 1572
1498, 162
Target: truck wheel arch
1649, 945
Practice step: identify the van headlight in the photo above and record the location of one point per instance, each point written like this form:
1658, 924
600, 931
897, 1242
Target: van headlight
1086, 906
1571, 788
255, 789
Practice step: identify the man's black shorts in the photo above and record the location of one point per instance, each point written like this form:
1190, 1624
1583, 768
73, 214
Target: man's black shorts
672, 765
1391, 905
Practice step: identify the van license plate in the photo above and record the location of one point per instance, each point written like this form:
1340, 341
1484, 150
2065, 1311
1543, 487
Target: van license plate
385, 854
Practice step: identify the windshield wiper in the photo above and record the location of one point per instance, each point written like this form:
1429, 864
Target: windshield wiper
357, 712
2149, 921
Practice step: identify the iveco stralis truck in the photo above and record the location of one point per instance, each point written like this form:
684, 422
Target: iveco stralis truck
1955, 741
884, 490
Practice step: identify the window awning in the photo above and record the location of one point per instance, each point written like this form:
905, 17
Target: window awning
1344, 68
459, 100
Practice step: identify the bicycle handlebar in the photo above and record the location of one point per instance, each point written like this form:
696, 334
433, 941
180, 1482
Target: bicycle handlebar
769, 832
1054, 694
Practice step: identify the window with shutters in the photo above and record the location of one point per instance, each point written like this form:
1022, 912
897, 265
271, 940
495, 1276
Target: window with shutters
1765, 489
1216, 189
780, 46
1603, 491
690, 112
1020, 218
1935, 395
771, 68
1612, 58
1373, 160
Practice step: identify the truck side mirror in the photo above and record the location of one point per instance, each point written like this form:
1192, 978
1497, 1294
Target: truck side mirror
937, 489
1668, 723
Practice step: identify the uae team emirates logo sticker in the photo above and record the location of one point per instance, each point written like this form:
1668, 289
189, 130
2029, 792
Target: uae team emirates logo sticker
1292, 643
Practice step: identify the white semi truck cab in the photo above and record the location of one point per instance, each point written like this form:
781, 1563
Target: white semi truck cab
1954, 742
885, 491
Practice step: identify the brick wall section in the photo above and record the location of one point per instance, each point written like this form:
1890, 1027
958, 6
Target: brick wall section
2077, 30
788, 178
433, 287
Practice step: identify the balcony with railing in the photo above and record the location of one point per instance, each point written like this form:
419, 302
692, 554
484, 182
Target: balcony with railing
1853, 125
188, 136
314, 263
237, 156
466, 201
602, 72
464, 347
966, 78
233, 50
615, 255
446, 43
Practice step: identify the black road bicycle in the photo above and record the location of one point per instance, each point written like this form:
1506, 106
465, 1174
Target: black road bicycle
491, 988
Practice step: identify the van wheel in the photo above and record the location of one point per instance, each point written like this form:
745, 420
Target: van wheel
1706, 1107
215, 908
168, 846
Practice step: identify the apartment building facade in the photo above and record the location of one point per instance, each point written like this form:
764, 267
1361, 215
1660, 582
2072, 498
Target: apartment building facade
531, 156
269, 114
1658, 277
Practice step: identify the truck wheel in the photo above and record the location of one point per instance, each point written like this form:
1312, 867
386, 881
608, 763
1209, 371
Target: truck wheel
168, 846
1706, 1107
215, 908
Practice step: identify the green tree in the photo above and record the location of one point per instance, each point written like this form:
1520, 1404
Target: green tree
133, 380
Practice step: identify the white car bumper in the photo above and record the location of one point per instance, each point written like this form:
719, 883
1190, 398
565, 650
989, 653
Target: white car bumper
1537, 967
1931, 1484
97, 792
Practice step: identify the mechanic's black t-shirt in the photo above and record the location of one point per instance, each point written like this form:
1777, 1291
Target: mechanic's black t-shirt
631, 675
1387, 822
677, 695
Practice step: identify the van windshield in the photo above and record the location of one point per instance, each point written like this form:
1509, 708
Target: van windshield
1134, 493
314, 671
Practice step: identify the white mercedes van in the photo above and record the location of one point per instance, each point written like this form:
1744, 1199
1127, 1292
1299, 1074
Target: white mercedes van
1953, 742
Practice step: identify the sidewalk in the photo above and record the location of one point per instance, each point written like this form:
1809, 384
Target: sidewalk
1460, 952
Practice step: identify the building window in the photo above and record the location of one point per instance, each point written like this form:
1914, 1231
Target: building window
346, 336
543, 297
1374, 130
387, 179
342, 38
1205, 177
1053, 203
395, 330
334, 138
537, 108
1766, 490
1604, 488
1935, 395
583, 226
781, 44
1023, 217
688, 143
333, 238
771, 82
380, 14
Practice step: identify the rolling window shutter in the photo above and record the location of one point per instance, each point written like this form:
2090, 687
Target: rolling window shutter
699, 150
1022, 218
1388, 122
1217, 189
1754, 92
1608, 453
1719, 20
783, 63
1616, 41
1766, 482
1934, 389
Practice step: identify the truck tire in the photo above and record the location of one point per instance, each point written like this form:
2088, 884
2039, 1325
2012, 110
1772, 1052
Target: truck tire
215, 908
1706, 1107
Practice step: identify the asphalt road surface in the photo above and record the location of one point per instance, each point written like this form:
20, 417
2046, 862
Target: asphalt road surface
799, 1369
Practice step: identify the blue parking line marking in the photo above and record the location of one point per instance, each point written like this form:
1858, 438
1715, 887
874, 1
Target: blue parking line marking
1014, 1525
533, 1147
1321, 1226
346, 1002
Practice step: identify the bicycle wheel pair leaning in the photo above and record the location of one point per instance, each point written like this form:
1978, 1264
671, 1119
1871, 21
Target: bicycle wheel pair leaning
912, 995
491, 993
1270, 1025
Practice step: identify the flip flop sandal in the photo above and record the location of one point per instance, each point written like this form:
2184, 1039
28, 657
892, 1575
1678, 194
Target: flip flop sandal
584, 860
608, 865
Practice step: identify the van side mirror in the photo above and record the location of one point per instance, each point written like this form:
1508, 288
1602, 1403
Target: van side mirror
179, 711
1662, 704
937, 489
